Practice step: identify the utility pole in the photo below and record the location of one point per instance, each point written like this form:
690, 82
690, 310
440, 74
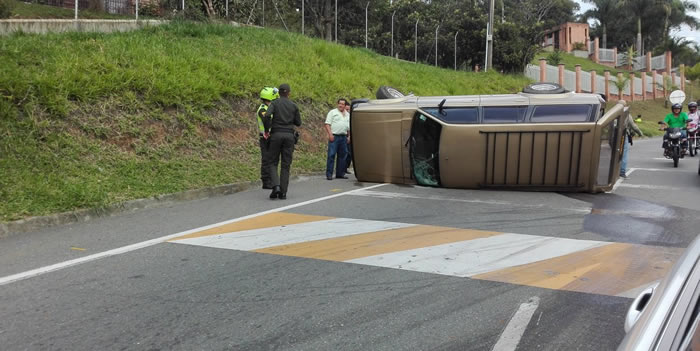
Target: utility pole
366, 21
302, 17
226, 9
336, 21
263, 13
392, 34
456, 50
415, 45
436, 43
489, 38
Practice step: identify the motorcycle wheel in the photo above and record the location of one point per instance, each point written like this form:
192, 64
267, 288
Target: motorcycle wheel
675, 160
692, 147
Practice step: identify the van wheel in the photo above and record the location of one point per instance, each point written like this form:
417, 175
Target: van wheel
386, 92
544, 88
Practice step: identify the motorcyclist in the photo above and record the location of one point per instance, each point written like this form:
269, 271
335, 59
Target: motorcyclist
693, 114
675, 119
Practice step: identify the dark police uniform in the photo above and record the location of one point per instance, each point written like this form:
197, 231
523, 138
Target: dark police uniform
280, 119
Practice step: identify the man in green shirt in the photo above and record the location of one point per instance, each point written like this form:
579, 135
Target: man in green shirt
675, 119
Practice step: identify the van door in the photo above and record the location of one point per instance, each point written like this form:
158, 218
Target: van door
424, 150
610, 131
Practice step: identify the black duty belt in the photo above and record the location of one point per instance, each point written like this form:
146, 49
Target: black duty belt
282, 130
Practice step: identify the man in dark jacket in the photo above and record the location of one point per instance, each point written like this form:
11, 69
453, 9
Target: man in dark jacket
281, 117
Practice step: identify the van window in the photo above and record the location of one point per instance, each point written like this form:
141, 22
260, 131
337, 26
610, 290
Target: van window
504, 114
458, 115
561, 113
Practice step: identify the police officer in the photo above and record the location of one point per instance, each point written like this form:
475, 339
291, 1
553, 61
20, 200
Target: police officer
279, 121
267, 95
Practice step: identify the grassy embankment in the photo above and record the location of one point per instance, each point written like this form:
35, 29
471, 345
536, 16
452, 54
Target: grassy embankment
92, 119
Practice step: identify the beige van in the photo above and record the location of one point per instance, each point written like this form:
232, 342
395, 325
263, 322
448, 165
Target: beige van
543, 139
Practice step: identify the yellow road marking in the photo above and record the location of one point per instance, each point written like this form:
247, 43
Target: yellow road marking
376, 243
265, 221
77, 248
336, 190
609, 270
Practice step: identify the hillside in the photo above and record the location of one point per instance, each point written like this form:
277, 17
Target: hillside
91, 119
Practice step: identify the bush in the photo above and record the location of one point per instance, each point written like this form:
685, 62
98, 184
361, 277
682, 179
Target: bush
150, 8
580, 46
6, 8
555, 58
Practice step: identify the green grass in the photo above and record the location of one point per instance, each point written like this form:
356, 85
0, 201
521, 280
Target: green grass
24, 10
92, 119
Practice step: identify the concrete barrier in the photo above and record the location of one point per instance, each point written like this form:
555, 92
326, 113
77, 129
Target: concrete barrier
42, 26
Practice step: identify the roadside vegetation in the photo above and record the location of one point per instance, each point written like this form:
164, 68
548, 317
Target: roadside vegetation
91, 119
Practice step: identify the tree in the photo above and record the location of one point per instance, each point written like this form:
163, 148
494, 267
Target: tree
605, 11
640, 9
323, 16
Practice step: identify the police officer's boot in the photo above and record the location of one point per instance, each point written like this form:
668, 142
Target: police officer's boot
276, 191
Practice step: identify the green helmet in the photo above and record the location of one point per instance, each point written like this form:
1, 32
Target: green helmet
269, 93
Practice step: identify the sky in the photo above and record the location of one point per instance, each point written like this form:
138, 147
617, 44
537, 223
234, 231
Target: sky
685, 31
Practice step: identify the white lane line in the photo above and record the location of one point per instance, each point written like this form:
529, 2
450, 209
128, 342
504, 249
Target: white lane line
393, 195
648, 186
255, 239
124, 249
617, 183
477, 256
510, 338
676, 170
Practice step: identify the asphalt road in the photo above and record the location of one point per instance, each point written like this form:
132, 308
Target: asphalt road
347, 266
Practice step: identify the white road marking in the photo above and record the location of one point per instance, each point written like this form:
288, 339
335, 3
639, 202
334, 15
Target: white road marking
648, 186
477, 256
510, 338
124, 249
393, 195
676, 170
292, 234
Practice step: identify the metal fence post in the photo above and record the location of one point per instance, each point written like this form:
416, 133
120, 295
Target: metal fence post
137, 10
76, 10
226, 9
392, 34
415, 45
366, 23
336, 21
263, 16
302, 17
436, 43
456, 50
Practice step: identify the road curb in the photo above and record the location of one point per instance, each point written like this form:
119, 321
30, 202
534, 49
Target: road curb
8, 229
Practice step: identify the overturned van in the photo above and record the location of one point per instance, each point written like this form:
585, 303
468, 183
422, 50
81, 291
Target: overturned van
543, 139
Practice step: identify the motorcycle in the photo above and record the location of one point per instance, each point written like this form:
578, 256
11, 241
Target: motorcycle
693, 139
674, 144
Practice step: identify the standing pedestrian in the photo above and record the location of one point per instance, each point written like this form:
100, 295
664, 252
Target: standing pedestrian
279, 121
337, 126
630, 130
267, 95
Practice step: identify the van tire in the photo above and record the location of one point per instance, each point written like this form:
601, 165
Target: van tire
544, 88
386, 92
